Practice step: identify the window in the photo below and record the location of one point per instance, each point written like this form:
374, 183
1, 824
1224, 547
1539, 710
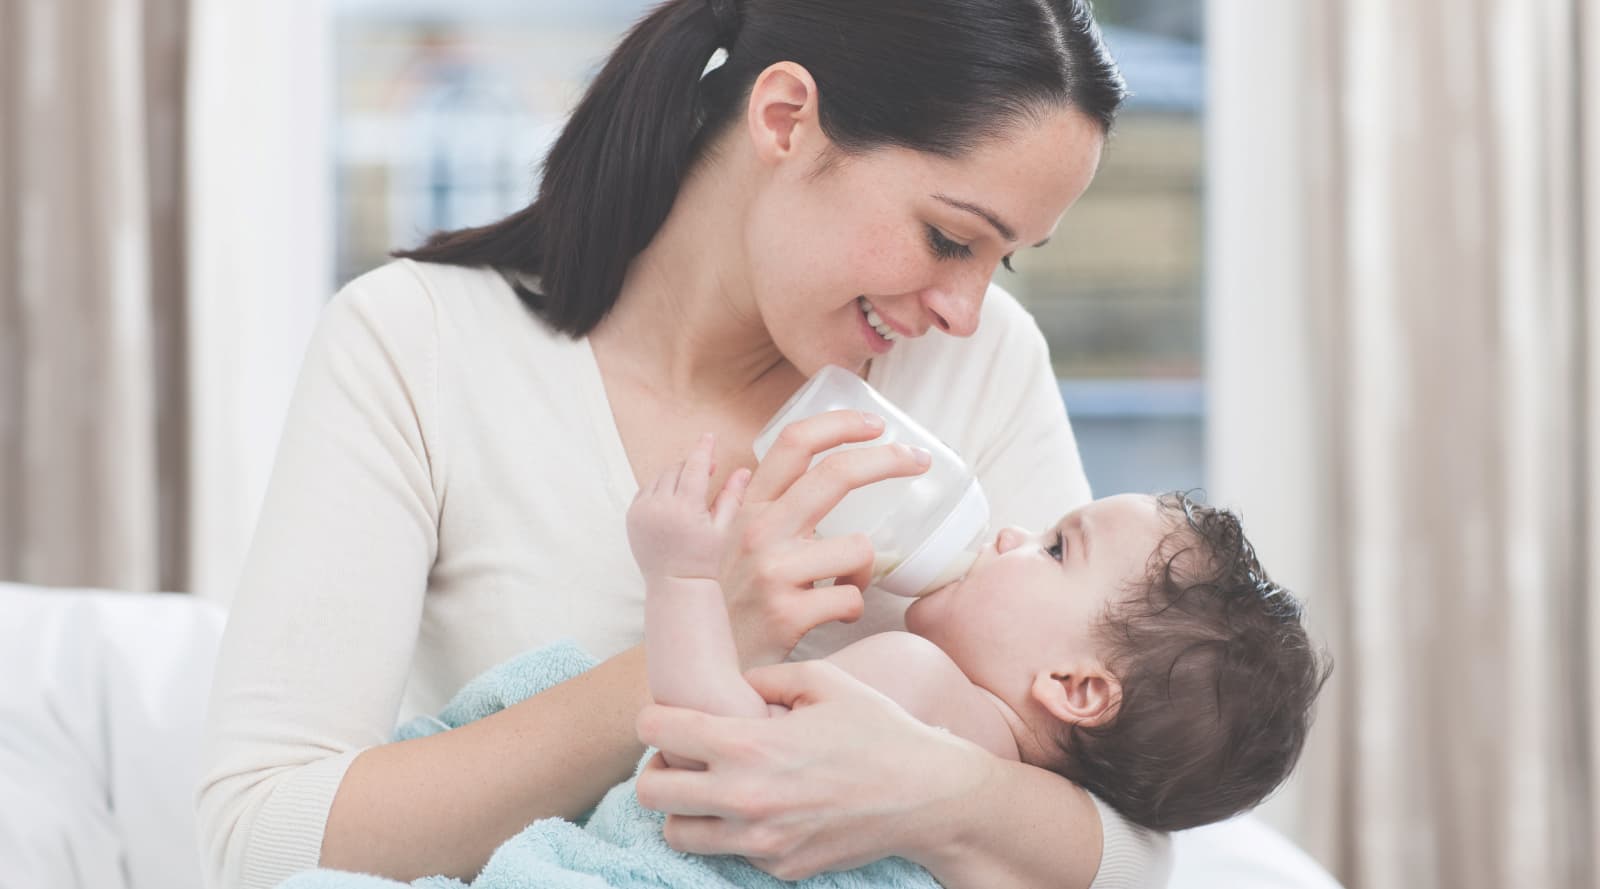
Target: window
445, 110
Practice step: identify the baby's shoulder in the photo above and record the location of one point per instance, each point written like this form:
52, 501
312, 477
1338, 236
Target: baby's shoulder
908, 668
920, 677
895, 643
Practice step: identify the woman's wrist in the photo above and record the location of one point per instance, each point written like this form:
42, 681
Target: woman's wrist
1014, 825
942, 831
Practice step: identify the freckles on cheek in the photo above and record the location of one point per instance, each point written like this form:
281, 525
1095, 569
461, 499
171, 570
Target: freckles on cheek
886, 261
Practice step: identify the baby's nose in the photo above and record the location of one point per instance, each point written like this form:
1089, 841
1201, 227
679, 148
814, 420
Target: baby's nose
1009, 539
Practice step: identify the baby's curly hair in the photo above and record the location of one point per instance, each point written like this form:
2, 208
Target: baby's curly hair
1218, 679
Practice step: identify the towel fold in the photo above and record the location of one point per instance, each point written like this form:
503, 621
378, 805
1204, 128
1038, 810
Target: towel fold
619, 844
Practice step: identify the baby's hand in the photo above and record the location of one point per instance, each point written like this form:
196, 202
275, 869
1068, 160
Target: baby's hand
672, 532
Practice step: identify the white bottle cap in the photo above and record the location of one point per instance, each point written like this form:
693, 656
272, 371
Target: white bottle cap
966, 521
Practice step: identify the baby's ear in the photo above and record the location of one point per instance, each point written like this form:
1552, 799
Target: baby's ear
1087, 695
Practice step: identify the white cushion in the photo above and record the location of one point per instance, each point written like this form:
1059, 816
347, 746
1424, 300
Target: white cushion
1242, 853
100, 715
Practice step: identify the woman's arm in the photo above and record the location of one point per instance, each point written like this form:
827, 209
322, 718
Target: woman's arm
876, 783
322, 633
443, 803
1020, 826
1016, 833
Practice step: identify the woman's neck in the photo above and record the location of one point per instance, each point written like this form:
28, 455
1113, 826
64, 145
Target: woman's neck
686, 322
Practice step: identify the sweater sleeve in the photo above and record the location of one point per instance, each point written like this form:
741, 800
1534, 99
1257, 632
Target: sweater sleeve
323, 626
1029, 461
1131, 857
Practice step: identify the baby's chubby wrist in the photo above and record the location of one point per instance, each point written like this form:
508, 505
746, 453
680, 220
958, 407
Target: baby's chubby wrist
675, 586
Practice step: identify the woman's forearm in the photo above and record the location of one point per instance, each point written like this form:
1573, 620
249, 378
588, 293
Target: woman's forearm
442, 804
1023, 827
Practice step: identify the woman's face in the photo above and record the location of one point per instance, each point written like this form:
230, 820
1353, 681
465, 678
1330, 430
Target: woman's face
913, 237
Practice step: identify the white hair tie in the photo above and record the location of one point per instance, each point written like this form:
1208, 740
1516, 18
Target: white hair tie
717, 60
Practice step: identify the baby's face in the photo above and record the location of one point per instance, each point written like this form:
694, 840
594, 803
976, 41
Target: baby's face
1031, 601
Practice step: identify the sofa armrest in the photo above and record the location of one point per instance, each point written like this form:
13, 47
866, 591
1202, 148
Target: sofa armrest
100, 719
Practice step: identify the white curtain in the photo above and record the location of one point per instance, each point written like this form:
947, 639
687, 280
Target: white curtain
261, 258
93, 309
1405, 404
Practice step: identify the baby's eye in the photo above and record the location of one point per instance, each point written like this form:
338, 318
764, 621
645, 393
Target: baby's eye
1055, 550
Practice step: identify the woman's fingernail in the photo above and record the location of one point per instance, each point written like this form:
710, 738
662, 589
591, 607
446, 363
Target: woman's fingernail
922, 457
873, 421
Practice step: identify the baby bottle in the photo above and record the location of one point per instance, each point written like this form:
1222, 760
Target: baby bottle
926, 530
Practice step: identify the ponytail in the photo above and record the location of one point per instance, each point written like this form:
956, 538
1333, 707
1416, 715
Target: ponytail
612, 175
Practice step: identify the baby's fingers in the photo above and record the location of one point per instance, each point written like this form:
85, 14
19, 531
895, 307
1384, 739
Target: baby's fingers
667, 481
695, 475
730, 499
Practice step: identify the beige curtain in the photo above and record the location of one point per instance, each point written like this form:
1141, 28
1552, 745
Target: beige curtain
1405, 316
92, 320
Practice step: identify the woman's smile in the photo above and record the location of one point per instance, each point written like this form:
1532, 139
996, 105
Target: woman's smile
880, 336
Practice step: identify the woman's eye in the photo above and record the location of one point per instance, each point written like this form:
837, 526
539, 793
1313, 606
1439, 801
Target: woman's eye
944, 248
1007, 263
1057, 550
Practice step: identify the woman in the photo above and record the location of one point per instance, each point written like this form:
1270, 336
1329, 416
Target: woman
471, 422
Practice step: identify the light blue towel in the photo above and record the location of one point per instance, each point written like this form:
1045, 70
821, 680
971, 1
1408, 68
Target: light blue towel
620, 844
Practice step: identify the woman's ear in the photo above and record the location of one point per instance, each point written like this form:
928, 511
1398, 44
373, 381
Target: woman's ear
1085, 696
783, 113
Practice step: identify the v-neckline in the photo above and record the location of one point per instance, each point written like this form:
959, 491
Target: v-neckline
621, 483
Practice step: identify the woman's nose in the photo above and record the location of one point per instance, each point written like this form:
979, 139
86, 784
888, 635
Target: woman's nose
955, 309
1009, 539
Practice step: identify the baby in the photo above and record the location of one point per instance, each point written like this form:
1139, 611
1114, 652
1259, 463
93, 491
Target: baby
1136, 647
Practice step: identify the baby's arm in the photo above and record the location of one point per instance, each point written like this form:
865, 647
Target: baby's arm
678, 544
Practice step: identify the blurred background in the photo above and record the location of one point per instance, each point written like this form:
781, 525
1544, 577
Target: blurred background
1338, 270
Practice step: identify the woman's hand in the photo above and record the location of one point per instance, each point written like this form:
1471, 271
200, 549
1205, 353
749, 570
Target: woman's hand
773, 560
846, 778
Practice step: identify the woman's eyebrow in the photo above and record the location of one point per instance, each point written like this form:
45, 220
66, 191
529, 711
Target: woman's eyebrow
989, 216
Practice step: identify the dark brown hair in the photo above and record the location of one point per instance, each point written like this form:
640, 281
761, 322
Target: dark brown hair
932, 75
1218, 680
